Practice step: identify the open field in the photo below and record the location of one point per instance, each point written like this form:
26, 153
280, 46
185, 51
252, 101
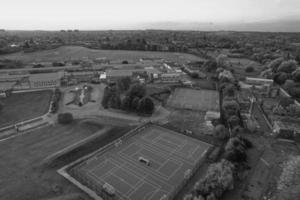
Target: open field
239, 65
201, 100
24, 153
77, 52
171, 154
23, 106
23, 168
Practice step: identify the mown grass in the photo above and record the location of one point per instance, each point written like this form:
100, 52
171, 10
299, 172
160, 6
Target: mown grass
23, 106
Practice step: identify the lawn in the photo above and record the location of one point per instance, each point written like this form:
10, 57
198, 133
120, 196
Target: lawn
22, 174
201, 100
194, 121
239, 65
77, 52
24, 106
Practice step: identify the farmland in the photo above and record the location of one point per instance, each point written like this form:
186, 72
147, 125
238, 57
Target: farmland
66, 53
23, 169
24, 106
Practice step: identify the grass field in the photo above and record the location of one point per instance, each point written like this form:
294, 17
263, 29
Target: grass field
22, 173
77, 52
239, 65
201, 100
21, 156
171, 154
24, 106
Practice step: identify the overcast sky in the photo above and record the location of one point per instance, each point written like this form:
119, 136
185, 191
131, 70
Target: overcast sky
114, 14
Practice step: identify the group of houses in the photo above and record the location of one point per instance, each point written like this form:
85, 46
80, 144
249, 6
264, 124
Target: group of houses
23, 80
282, 126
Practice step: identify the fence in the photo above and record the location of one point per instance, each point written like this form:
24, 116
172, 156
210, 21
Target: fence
74, 169
183, 183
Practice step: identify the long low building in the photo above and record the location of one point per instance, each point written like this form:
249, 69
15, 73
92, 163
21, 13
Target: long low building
45, 80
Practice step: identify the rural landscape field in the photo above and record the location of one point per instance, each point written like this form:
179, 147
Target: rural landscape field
150, 100
69, 53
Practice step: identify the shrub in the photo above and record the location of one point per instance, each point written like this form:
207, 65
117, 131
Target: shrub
221, 132
65, 118
145, 106
249, 69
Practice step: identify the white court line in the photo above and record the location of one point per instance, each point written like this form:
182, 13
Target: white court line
203, 153
100, 165
153, 193
126, 148
181, 164
149, 172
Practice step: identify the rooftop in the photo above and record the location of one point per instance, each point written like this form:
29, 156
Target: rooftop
6, 85
44, 77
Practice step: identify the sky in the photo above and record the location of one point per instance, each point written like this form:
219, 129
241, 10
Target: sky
127, 14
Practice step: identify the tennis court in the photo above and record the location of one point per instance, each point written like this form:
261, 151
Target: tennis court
170, 154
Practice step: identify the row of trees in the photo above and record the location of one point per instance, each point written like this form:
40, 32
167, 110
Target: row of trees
220, 176
55, 100
286, 73
131, 98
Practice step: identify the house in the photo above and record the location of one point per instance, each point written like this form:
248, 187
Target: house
170, 78
73, 78
288, 129
103, 60
12, 77
259, 81
114, 75
145, 73
44, 80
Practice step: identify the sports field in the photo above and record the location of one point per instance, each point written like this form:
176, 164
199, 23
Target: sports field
202, 100
24, 106
170, 154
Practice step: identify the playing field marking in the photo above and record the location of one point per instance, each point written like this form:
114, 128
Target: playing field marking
194, 151
149, 172
100, 180
122, 183
130, 146
167, 159
175, 171
203, 153
127, 169
167, 153
154, 192
102, 164
176, 154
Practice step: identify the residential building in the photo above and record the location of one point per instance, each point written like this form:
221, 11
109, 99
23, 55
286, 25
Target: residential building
44, 80
170, 78
288, 128
258, 81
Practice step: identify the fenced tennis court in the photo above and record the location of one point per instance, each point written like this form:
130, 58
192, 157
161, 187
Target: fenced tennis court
172, 157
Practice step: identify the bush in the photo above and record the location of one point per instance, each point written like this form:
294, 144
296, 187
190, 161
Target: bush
249, 69
145, 106
65, 118
221, 132
218, 179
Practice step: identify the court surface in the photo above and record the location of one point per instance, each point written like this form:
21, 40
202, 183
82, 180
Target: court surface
171, 154
202, 100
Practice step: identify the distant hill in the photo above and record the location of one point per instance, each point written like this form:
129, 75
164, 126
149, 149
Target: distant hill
282, 25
